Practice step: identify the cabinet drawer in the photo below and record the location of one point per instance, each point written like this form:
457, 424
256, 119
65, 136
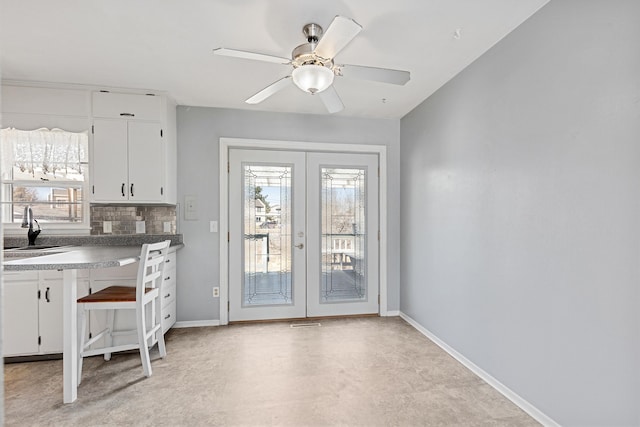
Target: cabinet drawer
127, 106
168, 294
168, 316
170, 261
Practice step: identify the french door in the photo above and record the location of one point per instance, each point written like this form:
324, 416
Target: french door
303, 234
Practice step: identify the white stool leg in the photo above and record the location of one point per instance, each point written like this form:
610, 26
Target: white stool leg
160, 334
108, 339
142, 340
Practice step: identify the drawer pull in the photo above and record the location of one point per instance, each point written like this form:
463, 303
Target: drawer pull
167, 316
127, 114
167, 295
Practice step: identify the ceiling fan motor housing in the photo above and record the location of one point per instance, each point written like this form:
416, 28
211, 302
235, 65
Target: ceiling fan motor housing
304, 54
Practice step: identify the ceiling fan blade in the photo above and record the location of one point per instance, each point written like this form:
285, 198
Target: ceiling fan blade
250, 55
384, 75
340, 32
269, 90
331, 100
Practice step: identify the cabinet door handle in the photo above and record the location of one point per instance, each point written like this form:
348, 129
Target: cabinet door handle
167, 278
168, 260
127, 115
122, 189
131, 190
46, 295
167, 316
168, 295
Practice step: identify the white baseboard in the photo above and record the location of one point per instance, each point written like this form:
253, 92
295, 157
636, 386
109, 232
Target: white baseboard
392, 313
538, 415
196, 323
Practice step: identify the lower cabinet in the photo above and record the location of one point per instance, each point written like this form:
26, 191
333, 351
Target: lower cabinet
32, 311
32, 306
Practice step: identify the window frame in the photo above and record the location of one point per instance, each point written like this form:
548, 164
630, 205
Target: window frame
51, 228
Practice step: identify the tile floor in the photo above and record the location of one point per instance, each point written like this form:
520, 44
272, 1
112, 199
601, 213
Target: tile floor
348, 372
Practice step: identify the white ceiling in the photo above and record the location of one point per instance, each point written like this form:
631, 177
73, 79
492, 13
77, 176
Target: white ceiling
166, 45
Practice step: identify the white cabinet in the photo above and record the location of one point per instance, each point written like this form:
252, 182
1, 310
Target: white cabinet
132, 153
127, 106
169, 292
20, 314
32, 312
127, 165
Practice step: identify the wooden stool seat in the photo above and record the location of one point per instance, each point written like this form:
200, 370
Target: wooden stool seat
113, 294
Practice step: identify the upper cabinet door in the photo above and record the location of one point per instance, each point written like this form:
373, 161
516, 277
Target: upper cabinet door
127, 106
145, 162
109, 166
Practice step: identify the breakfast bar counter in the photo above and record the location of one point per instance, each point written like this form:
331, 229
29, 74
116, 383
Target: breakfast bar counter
69, 260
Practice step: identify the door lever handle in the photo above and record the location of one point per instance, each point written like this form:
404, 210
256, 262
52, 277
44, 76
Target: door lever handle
300, 246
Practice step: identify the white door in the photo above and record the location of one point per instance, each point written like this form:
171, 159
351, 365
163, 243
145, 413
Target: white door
266, 235
303, 236
342, 234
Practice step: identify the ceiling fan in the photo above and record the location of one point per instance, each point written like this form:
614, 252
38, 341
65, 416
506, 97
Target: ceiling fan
313, 64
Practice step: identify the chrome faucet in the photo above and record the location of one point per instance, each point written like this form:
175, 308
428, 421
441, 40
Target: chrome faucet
27, 222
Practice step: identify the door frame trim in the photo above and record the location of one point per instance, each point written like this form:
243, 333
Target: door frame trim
229, 143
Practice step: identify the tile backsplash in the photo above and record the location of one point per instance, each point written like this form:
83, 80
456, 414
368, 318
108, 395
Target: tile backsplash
123, 219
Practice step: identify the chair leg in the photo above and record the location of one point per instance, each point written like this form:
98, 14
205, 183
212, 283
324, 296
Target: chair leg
142, 341
162, 349
83, 330
108, 339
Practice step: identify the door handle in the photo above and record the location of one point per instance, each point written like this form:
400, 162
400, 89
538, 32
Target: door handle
300, 246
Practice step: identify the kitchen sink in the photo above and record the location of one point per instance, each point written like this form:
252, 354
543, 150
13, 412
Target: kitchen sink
36, 247
35, 250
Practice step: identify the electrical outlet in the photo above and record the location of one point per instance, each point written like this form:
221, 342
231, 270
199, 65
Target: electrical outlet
213, 226
106, 227
216, 292
167, 227
140, 227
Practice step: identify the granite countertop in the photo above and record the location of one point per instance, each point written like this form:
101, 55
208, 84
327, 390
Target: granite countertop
78, 257
80, 252
102, 240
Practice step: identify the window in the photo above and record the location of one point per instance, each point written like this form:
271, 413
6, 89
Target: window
47, 170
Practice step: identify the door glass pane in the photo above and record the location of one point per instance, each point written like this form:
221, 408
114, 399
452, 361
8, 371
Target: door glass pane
267, 235
343, 229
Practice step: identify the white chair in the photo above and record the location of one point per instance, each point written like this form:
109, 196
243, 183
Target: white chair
146, 292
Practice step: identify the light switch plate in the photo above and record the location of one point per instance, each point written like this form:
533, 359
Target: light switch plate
167, 227
213, 226
140, 227
106, 227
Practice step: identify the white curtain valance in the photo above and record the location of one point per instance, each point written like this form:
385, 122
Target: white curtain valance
44, 154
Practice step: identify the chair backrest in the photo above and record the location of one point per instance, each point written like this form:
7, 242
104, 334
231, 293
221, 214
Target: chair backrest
151, 267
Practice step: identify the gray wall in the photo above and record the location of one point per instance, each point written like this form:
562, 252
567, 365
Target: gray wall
521, 215
199, 133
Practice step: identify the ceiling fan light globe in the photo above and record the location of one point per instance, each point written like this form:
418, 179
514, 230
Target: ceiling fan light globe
312, 78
